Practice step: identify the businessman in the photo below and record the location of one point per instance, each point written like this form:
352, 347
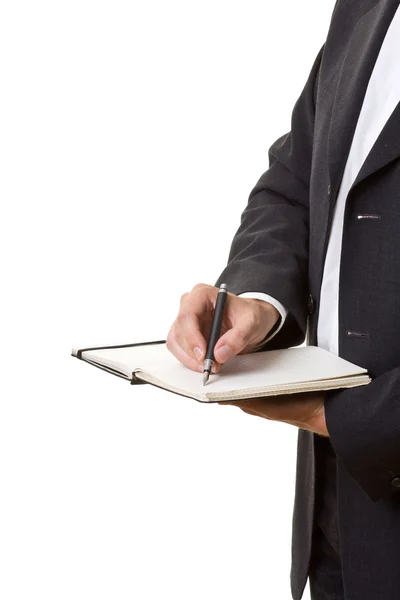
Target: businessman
317, 256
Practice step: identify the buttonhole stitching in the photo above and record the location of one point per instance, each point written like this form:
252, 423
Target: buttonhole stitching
368, 216
359, 334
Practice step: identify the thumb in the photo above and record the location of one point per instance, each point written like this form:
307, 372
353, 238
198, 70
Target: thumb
234, 340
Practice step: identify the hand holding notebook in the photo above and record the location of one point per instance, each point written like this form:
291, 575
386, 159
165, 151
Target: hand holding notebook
245, 376
303, 410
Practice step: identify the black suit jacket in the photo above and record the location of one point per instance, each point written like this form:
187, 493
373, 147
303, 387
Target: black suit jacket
280, 249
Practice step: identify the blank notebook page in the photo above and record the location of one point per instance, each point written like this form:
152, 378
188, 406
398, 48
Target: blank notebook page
254, 370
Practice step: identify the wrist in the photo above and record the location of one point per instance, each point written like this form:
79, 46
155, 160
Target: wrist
270, 320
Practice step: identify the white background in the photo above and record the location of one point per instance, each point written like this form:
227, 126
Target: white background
131, 136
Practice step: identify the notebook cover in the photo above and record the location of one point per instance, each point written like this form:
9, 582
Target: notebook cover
134, 380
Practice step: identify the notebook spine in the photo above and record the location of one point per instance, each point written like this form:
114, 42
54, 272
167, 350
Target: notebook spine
79, 352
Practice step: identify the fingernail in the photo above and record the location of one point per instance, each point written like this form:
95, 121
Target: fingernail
223, 354
198, 353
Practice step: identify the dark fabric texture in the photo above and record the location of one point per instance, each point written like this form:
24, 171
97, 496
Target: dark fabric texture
326, 580
280, 249
326, 514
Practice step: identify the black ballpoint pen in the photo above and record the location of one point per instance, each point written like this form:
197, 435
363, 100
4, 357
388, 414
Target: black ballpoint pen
215, 331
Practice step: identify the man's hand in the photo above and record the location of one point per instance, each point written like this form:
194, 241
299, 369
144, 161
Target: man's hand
245, 324
305, 410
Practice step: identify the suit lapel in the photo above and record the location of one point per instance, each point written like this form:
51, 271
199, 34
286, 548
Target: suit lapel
385, 149
358, 63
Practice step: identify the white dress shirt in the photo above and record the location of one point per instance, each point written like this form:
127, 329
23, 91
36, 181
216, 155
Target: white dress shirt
381, 98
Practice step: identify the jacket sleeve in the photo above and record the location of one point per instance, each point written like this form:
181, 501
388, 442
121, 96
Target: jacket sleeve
364, 428
269, 252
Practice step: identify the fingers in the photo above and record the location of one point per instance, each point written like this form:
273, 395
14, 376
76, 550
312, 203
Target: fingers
194, 310
245, 408
236, 339
186, 337
246, 322
189, 335
181, 355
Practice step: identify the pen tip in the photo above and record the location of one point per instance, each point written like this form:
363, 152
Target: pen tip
205, 377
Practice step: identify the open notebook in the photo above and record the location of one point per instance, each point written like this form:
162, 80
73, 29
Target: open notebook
268, 373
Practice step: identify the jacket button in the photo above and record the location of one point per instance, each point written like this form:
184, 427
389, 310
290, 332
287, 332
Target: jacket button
396, 483
311, 304
329, 190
